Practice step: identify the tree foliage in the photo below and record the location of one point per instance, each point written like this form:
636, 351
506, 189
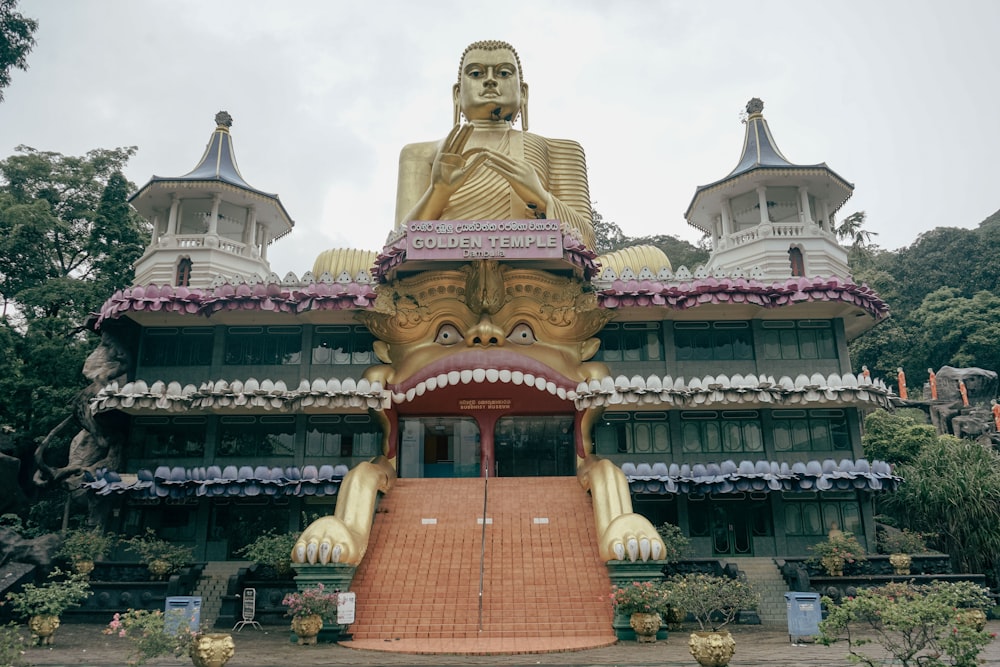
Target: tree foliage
67, 240
610, 237
952, 490
67, 235
942, 291
895, 437
16, 41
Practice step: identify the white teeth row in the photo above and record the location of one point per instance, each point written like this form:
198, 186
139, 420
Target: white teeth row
737, 389
266, 394
479, 376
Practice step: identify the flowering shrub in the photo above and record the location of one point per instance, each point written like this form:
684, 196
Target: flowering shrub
151, 548
838, 550
147, 632
713, 601
316, 600
639, 597
918, 625
52, 598
81, 544
901, 542
272, 550
675, 542
11, 646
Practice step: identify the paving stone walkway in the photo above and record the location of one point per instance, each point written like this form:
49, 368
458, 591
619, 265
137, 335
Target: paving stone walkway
84, 646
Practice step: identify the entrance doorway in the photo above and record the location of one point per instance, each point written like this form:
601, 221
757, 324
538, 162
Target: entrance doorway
731, 531
534, 446
731, 523
439, 447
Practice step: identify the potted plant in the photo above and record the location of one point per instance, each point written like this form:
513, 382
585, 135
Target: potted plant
160, 556
42, 605
82, 547
675, 542
838, 550
272, 550
151, 638
714, 602
912, 625
676, 546
900, 545
308, 608
643, 602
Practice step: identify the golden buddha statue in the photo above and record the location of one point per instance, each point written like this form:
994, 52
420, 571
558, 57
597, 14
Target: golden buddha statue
486, 170
487, 316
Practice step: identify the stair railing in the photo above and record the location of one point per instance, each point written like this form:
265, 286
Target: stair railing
482, 551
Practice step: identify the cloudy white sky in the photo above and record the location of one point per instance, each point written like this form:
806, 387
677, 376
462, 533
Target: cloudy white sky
900, 97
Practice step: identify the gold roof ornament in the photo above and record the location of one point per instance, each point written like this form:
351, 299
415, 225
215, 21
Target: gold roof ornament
635, 258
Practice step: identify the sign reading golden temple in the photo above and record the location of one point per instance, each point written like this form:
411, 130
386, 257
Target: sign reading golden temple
485, 239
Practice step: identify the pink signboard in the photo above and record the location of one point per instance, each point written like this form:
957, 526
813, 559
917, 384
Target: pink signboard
484, 239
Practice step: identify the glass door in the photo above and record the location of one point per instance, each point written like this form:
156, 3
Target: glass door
534, 446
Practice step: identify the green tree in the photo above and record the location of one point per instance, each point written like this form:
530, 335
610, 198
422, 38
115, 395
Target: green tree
852, 229
895, 437
885, 348
608, 235
952, 490
67, 241
64, 227
678, 251
941, 257
959, 331
16, 41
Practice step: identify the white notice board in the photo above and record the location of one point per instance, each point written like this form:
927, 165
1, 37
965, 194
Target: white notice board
345, 608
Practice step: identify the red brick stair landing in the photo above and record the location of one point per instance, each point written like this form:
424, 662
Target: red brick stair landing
544, 585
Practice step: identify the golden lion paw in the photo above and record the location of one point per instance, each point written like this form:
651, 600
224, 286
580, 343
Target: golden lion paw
631, 537
328, 540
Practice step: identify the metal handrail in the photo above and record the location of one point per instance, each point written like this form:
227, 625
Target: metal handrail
482, 551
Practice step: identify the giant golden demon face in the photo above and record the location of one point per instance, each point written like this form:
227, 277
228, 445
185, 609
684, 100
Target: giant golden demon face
485, 323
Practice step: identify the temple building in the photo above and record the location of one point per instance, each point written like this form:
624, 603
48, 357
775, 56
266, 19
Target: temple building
492, 344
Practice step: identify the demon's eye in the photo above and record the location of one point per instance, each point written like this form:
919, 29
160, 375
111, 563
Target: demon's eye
522, 335
448, 334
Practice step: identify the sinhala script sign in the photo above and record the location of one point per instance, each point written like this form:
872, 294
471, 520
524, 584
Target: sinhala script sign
484, 239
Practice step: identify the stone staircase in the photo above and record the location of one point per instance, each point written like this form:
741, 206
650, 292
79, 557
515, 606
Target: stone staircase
764, 576
542, 575
212, 586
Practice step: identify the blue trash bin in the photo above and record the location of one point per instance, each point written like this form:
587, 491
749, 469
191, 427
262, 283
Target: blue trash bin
804, 614
180, 609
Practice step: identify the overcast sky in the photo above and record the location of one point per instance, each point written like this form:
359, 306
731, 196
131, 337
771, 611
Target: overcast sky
901, 98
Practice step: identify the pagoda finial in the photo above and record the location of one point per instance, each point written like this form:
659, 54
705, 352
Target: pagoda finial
755, 105
224, 120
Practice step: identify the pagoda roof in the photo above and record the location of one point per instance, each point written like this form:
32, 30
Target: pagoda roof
217, 165
761, 154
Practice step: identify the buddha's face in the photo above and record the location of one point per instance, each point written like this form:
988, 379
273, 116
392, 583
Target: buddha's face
490, 86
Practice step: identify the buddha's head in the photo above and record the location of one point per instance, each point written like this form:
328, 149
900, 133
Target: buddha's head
490, 85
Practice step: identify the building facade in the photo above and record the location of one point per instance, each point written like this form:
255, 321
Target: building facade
724, 393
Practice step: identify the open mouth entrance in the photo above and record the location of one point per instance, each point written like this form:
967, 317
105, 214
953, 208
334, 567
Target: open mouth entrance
520, 446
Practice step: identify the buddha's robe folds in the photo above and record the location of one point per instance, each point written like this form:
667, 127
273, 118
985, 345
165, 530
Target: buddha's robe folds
559, 163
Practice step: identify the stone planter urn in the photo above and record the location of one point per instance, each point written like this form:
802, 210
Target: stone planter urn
159, 568
712, 649
900, 563
212, 649
645, 625
834, 565
43, 628
83, 566
974, 618
307, 628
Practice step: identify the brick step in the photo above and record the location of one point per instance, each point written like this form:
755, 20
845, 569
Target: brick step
541, 579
